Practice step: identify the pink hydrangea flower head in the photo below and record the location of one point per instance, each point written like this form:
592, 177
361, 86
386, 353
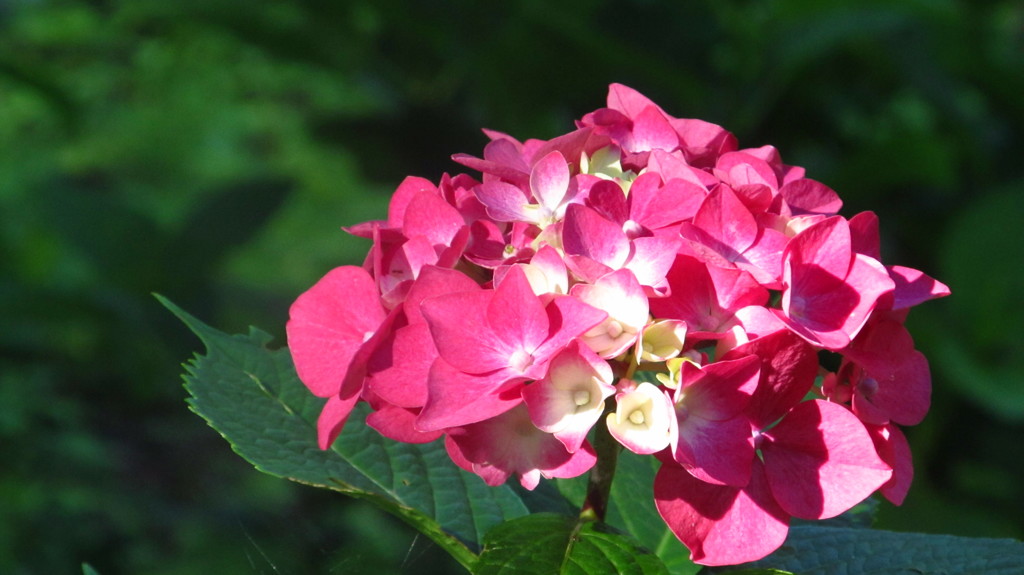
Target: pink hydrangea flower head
496, 310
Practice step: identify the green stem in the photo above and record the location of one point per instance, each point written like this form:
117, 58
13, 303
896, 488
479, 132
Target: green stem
599, 483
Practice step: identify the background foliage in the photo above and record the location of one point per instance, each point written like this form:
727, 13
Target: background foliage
211, 149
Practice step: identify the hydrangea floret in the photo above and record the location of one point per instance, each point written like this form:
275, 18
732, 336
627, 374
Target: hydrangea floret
644, 278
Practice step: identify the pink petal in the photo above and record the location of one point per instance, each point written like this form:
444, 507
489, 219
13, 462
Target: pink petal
515, 314
721, 525
458, 323
663, 205
332, 419
455, 398
586, 233
719, 452
410, 187
806, 196
549, 180
399, 368
894, 449
914, 287
825, 245
820, 461
788, 369
505, 202
428, 215
397, 423
327, 325
627, 100
651, 131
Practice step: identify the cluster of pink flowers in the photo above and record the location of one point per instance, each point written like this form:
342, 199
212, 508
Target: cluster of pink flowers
643, 273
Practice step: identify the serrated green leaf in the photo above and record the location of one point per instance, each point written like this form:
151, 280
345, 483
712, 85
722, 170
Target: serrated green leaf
252, 396
632, 509
556, 544
825, 550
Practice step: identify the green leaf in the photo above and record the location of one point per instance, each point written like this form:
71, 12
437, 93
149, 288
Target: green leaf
88, 570
549, 543
252, 396
632, 509
825, 550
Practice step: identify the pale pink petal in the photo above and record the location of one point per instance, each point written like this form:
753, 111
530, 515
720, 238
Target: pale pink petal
570, 399
621, 297
643, 419
509, 444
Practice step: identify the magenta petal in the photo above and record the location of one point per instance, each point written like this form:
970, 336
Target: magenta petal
820, 461
914, 287
894, 449
788, 368
607, 199
455, 398
332, 419
428, 215
627, 100
397, 423
864, 235
549, 180
328, 323
720, 390
586, 233
410, 187
805, 196
661, 206
568, 318
399, 368
825, 245
515, 314
504, 202
652, 131
434, 281
719, 452
727, 221
721, 525
458, 323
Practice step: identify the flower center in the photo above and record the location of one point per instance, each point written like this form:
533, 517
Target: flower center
614, 329
520, 360
637, 417
581, 397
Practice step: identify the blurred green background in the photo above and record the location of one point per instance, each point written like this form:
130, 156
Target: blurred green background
210, 150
